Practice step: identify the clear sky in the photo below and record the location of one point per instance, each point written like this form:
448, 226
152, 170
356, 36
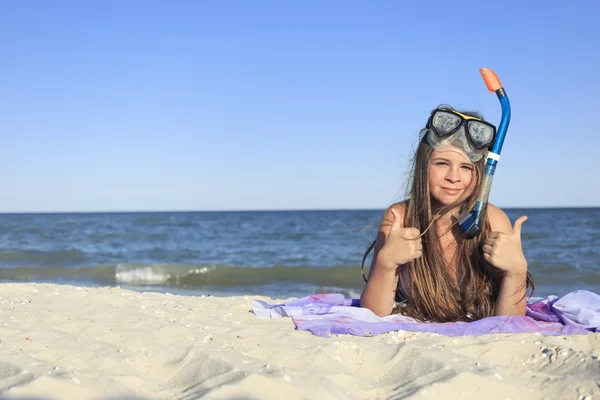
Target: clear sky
242, 105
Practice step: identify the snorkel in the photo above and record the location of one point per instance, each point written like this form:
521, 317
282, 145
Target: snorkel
472, 221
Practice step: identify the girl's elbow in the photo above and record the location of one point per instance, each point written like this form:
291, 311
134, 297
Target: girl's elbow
379, 311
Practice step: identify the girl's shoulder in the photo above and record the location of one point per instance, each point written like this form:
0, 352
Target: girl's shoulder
399, 207
499, 221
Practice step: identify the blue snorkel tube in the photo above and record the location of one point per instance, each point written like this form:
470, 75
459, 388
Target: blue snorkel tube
472, 221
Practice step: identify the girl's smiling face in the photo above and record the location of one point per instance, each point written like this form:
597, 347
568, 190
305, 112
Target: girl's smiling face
450, 176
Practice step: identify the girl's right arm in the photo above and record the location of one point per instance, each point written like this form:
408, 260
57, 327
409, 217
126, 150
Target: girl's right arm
380, 291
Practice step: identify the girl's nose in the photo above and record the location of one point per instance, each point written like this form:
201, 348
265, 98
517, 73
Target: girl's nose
452, 176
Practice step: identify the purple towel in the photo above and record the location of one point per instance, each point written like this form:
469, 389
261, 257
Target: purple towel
323, 314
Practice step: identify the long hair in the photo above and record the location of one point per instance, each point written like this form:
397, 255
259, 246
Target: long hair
434, 293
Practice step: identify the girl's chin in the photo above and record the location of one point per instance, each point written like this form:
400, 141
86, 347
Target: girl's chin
448, 201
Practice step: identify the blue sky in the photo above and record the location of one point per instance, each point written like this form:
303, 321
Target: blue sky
237, 105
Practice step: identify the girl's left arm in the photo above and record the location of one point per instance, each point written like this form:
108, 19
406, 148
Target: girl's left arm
504, 250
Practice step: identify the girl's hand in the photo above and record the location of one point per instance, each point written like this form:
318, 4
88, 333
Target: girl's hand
402, 244
504, 250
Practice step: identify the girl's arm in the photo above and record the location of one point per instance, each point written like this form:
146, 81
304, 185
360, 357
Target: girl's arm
379, 292
504, 250
395, 245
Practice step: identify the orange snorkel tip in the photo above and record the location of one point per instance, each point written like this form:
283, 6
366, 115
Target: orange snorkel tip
491, 79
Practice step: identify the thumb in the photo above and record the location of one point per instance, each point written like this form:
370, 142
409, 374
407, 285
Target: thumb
519, 224
396, 223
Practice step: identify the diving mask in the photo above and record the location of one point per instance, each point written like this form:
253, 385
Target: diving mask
470, 134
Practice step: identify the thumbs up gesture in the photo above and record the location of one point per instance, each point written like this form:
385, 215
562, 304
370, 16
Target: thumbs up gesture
402, 244
504, 250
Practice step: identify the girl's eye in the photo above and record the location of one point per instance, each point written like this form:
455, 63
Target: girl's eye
467, 167
441, 163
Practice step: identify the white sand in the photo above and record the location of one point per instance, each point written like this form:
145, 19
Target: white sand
68, 342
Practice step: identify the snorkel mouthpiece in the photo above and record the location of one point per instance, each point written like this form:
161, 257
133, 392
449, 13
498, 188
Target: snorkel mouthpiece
472, 221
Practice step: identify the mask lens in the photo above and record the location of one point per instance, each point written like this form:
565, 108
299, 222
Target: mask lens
481, 134
445, 122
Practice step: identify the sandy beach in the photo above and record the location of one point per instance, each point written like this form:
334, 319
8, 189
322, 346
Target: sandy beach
67, 342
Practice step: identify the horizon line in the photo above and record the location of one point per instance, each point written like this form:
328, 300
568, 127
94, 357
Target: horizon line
264, 210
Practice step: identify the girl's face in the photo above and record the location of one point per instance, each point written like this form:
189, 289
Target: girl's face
450, 176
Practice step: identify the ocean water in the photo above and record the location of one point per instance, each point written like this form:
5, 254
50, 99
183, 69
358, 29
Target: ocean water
274, 253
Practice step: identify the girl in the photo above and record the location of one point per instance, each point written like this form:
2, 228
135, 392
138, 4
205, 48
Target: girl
423, 265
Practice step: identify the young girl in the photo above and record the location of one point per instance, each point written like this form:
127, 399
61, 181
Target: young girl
423, 264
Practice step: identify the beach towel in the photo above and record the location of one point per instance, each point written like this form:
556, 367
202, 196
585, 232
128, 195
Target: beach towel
577, 312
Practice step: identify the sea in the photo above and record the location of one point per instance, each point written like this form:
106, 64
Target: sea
280, 254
